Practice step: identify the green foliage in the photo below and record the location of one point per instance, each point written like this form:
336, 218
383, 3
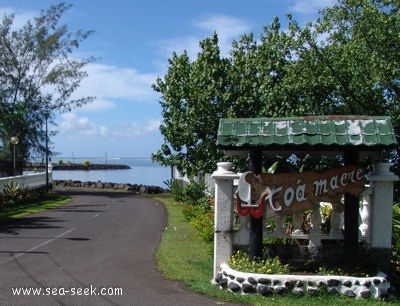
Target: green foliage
37, 202
12, 194
396, 224
86, 163
198, 207
240, 261
193, 93
183, 256
168, 183
60, 162
38, 76
345, 63
395, 261
203, 222
189, 193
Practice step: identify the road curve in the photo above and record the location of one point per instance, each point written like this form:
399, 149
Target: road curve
97, 250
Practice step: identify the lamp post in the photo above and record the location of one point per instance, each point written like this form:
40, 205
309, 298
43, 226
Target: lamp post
14, 142
47, 153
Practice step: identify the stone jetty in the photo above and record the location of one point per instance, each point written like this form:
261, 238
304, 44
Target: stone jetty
70, 166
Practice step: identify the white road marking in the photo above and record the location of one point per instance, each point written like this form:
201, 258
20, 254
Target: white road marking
38, 246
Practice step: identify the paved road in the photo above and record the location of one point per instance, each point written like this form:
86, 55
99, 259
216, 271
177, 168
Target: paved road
99, 240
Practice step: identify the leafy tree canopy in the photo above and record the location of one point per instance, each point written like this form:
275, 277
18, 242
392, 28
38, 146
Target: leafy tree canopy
37, 76
346, 62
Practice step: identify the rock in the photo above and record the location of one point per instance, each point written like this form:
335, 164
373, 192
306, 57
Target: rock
280, 290
234, 287
114, 186
333, 290
240, 279
88, 167
248, 288
366, 293
265, 290
264, 281
376, 281
312, 290
219, 277
298, 292
299, 283
333, 282
108, 186
127, 187
349, 293
223, 283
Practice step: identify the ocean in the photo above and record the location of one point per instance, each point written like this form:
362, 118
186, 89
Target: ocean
143, 171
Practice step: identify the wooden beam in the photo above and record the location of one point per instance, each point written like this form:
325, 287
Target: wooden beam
256, 225
351, 208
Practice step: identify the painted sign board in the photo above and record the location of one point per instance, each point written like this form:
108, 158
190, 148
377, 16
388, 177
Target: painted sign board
291, 192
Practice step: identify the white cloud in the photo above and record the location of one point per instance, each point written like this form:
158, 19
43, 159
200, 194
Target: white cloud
108, 83
80, 127
310, 6
99, 104
178, 45
152, 125
135, 128
226, 27
20, 16
77, 127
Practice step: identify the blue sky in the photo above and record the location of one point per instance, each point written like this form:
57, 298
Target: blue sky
132, 43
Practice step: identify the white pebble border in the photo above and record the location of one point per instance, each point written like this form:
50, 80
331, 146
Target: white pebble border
267, 284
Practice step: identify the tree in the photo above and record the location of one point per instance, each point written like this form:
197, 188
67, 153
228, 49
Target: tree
351, 53
38, 76
347, 62
194, 98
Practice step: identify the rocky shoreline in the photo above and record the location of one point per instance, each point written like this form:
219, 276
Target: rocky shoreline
134, 188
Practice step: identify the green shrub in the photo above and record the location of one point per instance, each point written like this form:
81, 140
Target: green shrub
86, 163
265, 265
395, 261
396, 224
203, 223
189, 193
198, 207
12, 194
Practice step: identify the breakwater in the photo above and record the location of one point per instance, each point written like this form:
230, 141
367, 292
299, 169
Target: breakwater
70, 166
134, 188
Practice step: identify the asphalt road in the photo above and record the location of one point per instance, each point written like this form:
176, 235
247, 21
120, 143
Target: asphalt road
100, 243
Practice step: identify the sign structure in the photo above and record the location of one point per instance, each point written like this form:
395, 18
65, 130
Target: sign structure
292, 192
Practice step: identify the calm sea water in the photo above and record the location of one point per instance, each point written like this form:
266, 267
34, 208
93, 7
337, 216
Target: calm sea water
143, 171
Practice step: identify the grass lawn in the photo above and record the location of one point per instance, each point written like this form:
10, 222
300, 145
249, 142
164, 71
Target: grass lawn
183, 256
26, 209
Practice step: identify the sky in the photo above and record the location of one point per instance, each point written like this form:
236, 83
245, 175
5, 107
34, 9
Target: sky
132, 43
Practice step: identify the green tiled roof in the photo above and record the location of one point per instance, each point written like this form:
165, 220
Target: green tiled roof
365, 131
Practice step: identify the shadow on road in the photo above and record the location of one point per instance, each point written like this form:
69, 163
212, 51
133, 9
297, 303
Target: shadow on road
33, 222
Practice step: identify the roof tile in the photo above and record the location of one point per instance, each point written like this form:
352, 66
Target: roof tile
324, 130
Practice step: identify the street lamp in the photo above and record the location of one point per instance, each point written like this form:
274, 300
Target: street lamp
14, 141
47, 153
